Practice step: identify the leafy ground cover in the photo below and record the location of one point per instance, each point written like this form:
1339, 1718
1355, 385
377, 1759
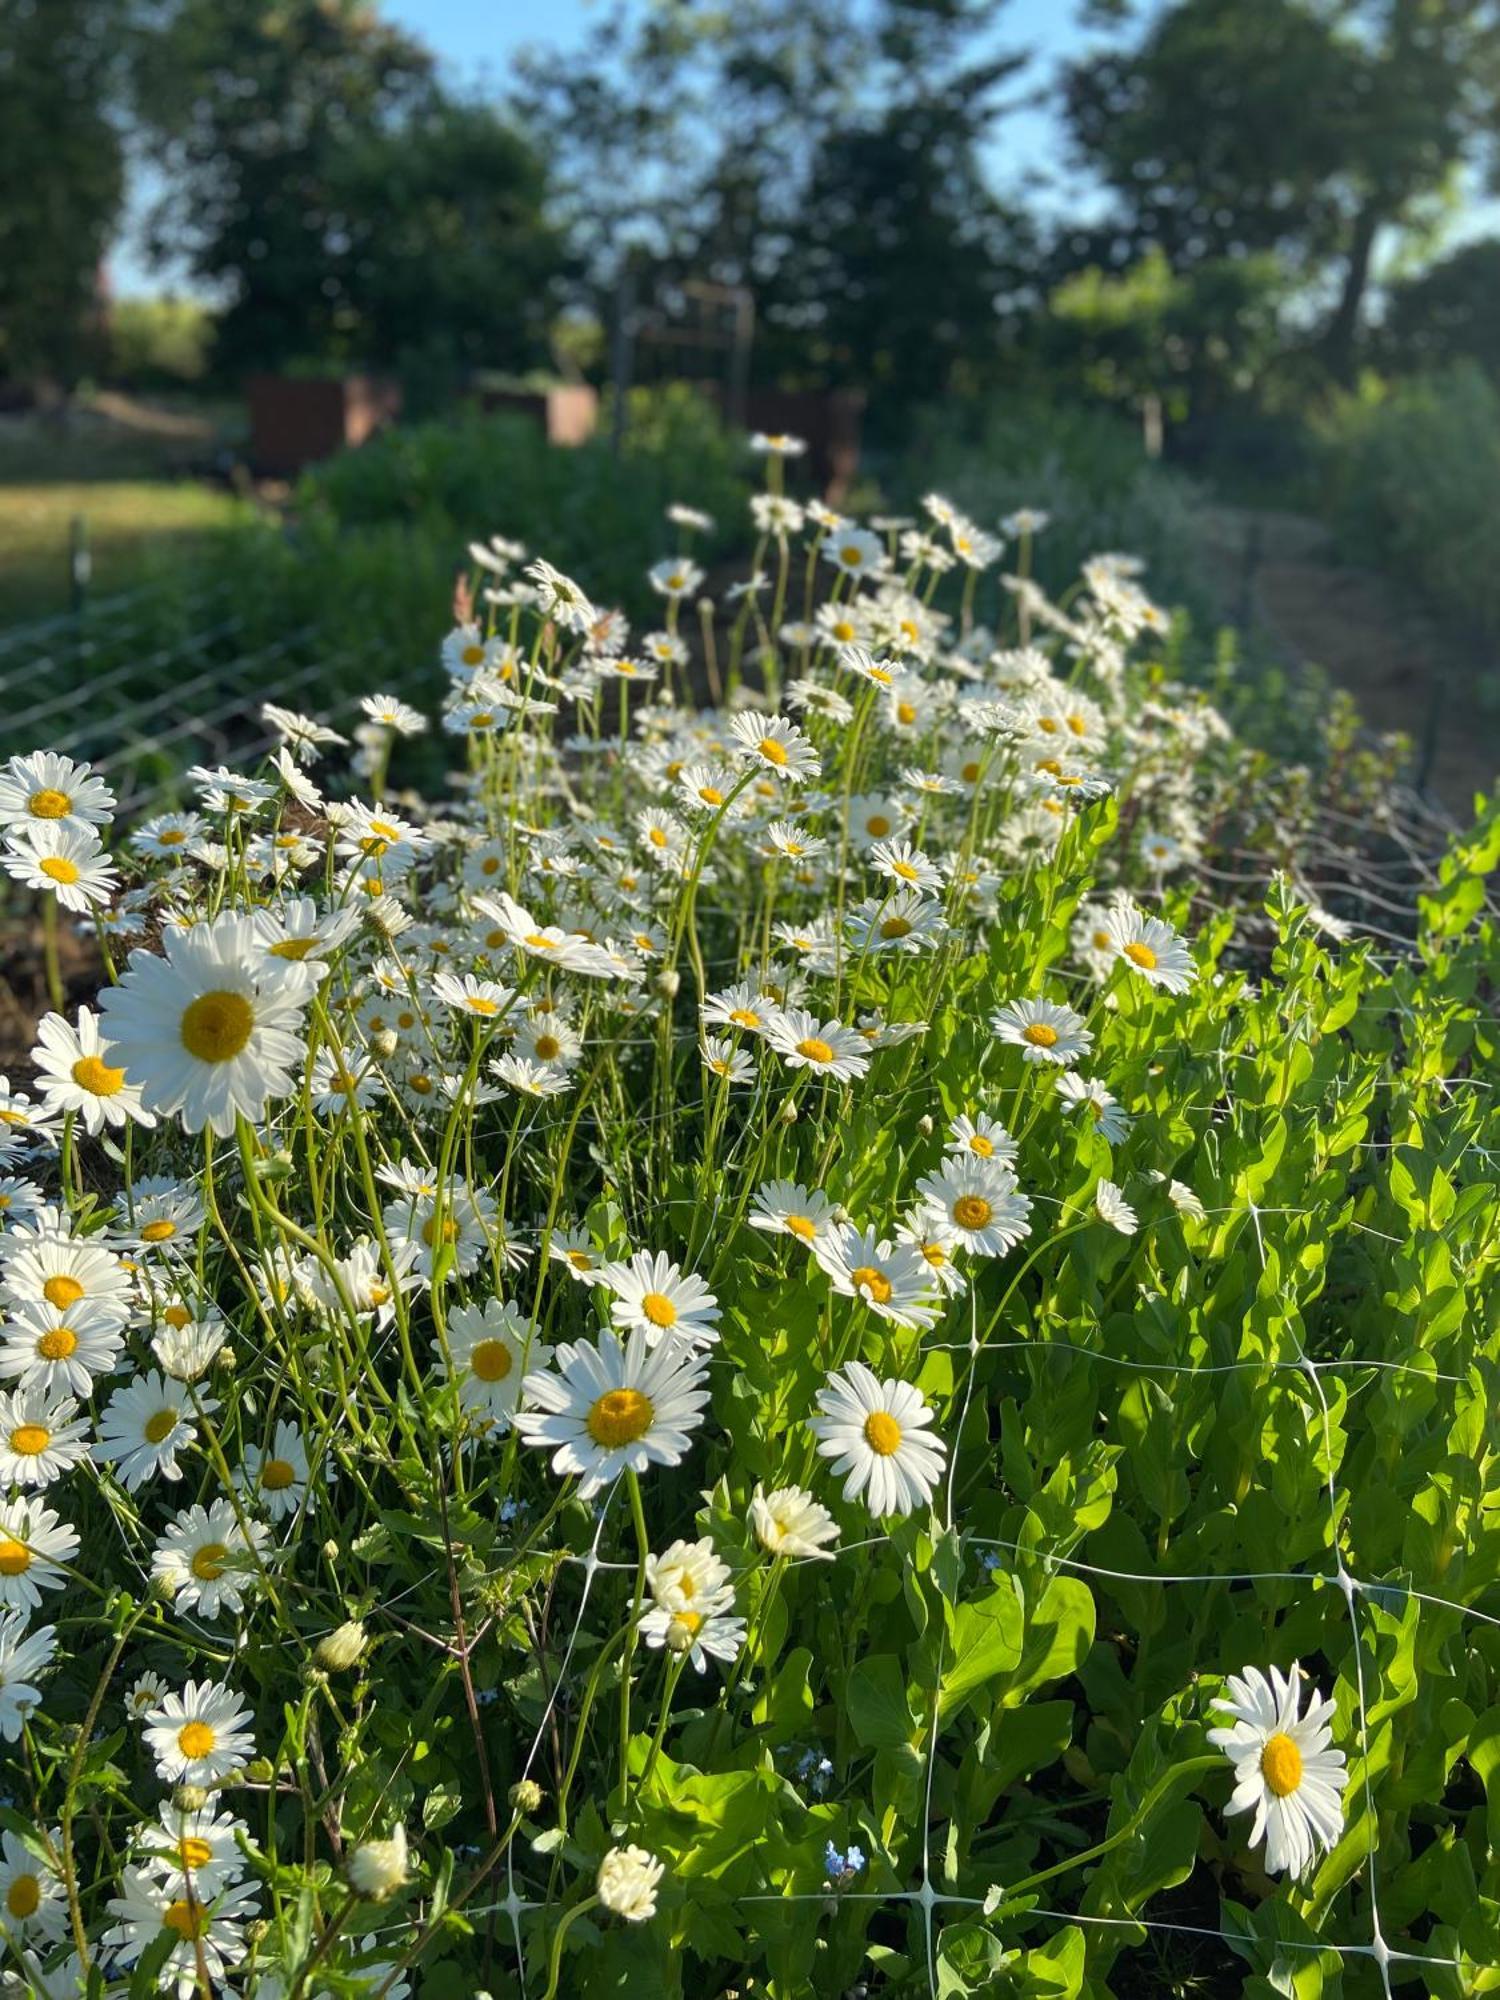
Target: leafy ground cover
838, 1340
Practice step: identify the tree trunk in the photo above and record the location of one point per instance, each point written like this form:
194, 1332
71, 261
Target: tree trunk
1341, 340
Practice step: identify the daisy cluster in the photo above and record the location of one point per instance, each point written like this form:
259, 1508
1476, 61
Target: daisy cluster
461, 1273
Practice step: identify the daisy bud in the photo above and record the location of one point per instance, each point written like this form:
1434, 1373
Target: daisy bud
190, 1798
628, 1877
788, 1113
342, 1648
384, 1044
526, 1795
261, 1771
668, 982
924, 1125
378, 1868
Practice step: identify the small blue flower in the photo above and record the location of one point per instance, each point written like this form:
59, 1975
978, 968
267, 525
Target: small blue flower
841, 1869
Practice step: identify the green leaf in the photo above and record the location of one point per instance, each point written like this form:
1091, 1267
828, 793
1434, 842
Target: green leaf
875, 1698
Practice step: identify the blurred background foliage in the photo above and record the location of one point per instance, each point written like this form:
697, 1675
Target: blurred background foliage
1268, 283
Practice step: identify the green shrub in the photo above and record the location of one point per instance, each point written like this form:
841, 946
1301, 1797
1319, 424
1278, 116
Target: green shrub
1412, 481
159, 340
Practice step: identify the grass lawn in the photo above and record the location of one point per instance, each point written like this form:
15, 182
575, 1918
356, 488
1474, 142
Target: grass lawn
130, 525
125, 470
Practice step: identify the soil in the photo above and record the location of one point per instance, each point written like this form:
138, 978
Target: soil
1280, 576
23, 987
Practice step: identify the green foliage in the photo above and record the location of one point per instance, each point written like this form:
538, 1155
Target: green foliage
358, 214
62, 171
1412, 475
158, 340
443, 484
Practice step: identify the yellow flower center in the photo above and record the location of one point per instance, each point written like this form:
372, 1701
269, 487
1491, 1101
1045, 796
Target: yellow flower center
186, 1918
277, 1474
970, 773
478, 1003
1040, 1035
802, 1226
1281, 1765
580, 1260
659, 1309
62, 1291
815, 1050
58, 868
194, 1853
27, 1440
877, 825
882, 1433
619, 1417
293, 948
772, 751
743, 1018
57, 1343
15, 1557
430, 1231
196, 1739
985, 1148
905, 713
851, 555
876, 1283
216, 1026
895, 927
172, 836
49, 804
208, 1562
1140, 954
473, 656
971, 1211
491, 1360
1102, 940
160, 1231
23, 1898
540, 943
160, 1427
905, 870
177, 1316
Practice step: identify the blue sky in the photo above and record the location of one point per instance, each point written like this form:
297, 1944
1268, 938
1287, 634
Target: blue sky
477, 40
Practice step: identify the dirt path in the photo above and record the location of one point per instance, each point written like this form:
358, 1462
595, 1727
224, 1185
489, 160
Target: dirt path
1281, 576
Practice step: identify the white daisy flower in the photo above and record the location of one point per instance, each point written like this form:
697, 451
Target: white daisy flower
983, 1137
31, 1895
35, 1543
786, 1208
1113, 1208
23, 1656
491, 1349
789, 1522
278, 1477
652, 1296
574, 1249
46, 789
878, 1436
201, 1736
207, 1561
979, 1201
40, 1439
201, 1848
721, 1058
213, 1030
209, 1932
1283, 1767
74, 1075
892, 1279
145, 1424
59, 1351
1043, 1031
776, 743
66, 862
1101, 1107
1151, 948
698, 1636
609, 1407
827, 1048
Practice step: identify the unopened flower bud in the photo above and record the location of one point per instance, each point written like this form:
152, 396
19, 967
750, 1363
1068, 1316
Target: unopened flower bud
526, 1795
788, 1113
384, 1044
924, 1125
343, 1647
668, 982
190, 1798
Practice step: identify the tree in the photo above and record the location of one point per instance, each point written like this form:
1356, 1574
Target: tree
1450, 312
341, 203
62, 178
1299, 128
824, 154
